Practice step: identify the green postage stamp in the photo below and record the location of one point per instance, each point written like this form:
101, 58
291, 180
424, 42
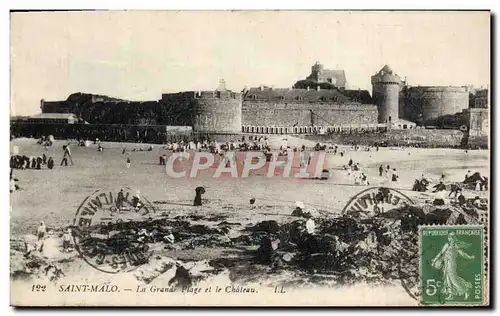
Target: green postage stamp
452, 269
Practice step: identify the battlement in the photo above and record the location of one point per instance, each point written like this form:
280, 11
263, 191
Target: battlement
303, 106
386, 76
439, 89
217, 95
222, 95
386, 79
297, 95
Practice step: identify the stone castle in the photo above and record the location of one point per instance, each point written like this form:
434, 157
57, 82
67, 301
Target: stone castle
319, 104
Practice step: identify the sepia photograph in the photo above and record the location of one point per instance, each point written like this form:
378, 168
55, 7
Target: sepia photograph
250, 158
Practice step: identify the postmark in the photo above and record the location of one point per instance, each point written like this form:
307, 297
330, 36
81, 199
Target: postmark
382, 206
452, 267
108, 230
375, 201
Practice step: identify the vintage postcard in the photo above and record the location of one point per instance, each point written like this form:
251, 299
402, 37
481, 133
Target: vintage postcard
250, 158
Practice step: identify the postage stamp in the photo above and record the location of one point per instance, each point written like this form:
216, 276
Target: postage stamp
218, 158
452, 267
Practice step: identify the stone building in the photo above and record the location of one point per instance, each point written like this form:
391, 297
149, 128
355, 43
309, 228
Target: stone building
53, 118
335, 77
386, 92
479, 122
480, 99
319, 104
430, 103
295, 110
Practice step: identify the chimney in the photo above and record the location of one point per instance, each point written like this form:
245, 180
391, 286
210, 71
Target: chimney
308, 88
318, 88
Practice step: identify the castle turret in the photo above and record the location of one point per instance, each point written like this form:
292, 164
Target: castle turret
386, 86
317, 68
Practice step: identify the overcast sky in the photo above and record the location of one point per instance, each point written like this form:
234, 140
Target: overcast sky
139, 55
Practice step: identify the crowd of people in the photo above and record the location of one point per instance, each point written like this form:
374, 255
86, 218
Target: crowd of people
31, 162
260, 143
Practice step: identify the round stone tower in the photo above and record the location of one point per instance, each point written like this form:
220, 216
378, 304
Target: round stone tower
386, 87
217, 112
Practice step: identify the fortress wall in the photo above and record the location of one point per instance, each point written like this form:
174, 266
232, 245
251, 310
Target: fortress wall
177, 109
434, 102
218, 112
415, 137
270, 113
206, 111
55, 107
478, 142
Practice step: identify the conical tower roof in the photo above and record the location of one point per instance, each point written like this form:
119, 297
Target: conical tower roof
387, 69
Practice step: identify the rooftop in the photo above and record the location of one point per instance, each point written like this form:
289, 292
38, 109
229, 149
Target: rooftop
54, 116
312, 95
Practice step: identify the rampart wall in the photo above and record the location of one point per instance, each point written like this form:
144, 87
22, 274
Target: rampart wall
158, 134
217, 112
434, 102
415, 137
288, 114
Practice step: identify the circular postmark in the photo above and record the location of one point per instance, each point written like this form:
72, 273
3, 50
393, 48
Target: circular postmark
375, 201
110, 230
397, 226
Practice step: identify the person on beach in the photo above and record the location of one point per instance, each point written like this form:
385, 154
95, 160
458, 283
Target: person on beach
364, 179
67, 241
40, 233
120, 200
467, 175
128, 162
380, 170
461, 199
50, 163
478, 185
394, 175
67, 155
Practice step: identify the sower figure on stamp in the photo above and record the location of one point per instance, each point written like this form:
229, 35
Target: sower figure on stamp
446, 261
